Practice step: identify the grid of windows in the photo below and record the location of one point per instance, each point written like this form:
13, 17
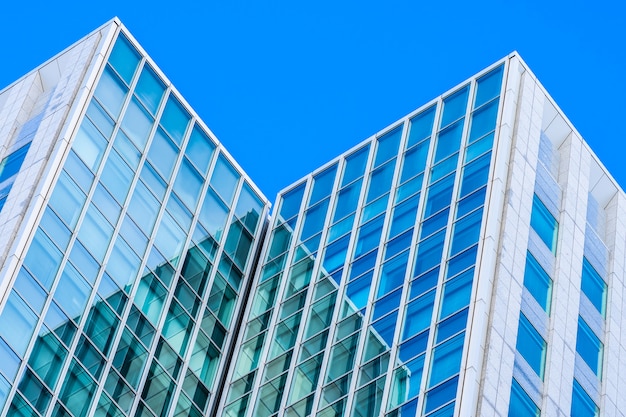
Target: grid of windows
368, 271
127, 293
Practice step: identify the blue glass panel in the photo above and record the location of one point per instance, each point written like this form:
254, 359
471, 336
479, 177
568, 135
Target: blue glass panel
461, 261
421, 126
89, 145
347, 200
314, 220
362, 264
54, 227
451, 326
594, 287
538, 282
323, 184
106, 204
387, 304
163, 153
355, 165
440, 395
589, 347
126, 149
153, 181
134, 236
446, 360
483, 121
582, 404
439, 195
335, 254
457, 293
454, 106
424, 283
413, 346
444, 167
124, 58
143, 208
249, 207
471, 202
466, 231
200, 149
369, 236
434, 223
531, 345
95, 233
380, 181
100, 118
84, 262
429, 253
21, 317
188, 184
5, 387
404, 216
392, 273
43, 259
409, 188
11, 164
544, 223
521, 405
175, 119
224, 179
150, 89
388, 145
111, 92
9, 364
123, 265
449, 140
479, 147
340, 228
30, 291
358, 291
72, 292
386, 327
398, 244
137, 123
418, 315
170, 239
78, 171
290, 202
374, 208
414, 161
475, 174
489, 86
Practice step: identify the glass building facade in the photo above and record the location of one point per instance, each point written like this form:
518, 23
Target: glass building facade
463, 261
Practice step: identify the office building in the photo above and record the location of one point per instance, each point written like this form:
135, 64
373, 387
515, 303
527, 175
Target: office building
467, 260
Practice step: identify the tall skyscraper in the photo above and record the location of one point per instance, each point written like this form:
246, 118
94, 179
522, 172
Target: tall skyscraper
467, 260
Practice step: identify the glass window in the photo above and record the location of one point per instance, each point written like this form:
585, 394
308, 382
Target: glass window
21, 317
213, 214
124, 58
290, 202
175, 119
589, 347
489, 86
43, 259
89, 145
100, 118
594, 287
456, 293
347, 201
11, 164
30, 290
249, 207
521, 405
358, 290
434, 223
200, 149
72, 292
414, 161
392, 273
116, 177
429, 253
471, 202
531, 345
77, 390
441, 394
454, 106
538, 282
449, 140
380, 181
483, 121
444, 167
446, 360
224, 179
137, 123
126, 149
106, 204
466, 232
143, 208
54, 227
369, 236
123, 265
9, 362
95, 233
439, 195
388, 145
150, 88
398, 244
314, 220
475, 174
355, 165
421, 126
404, 216
479, 147
163, 153
188, 184
111, 92
544, 223
170, 239
452, 325
323, 184
582, 404
335, 254
418, 315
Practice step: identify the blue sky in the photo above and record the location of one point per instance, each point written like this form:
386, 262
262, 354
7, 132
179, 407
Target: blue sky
288, 85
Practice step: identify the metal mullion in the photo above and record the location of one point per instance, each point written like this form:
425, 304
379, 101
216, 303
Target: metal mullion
446, 247
279, 295
306, 309
210, 281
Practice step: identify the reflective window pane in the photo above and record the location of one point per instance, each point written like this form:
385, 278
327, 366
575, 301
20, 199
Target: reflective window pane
200, 149
111, 92
124, 58
175, 119
150, 88
224, 179
421, 126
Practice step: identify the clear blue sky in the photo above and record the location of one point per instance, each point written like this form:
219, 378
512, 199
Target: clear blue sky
288, 85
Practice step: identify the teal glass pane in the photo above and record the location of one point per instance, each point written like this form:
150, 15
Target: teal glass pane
355, 165
30, 291
163, 153
11, 164
421, 126
137, 123
188, 184
323, 184
224, 179
100, 118
582, 404
521, 405
388, 145
111, 92
544, 223
77, 391
483, 121
449, 141
380, 181
150, 89
531, 345
454, 106
488, 86
43, 259
124, 58
117, 177
200, 149
175, 119
538, 282
213, 214
21, 317
594, 287
143, 208
72, 292
589, 347
5, 387
446, 360
95, 233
